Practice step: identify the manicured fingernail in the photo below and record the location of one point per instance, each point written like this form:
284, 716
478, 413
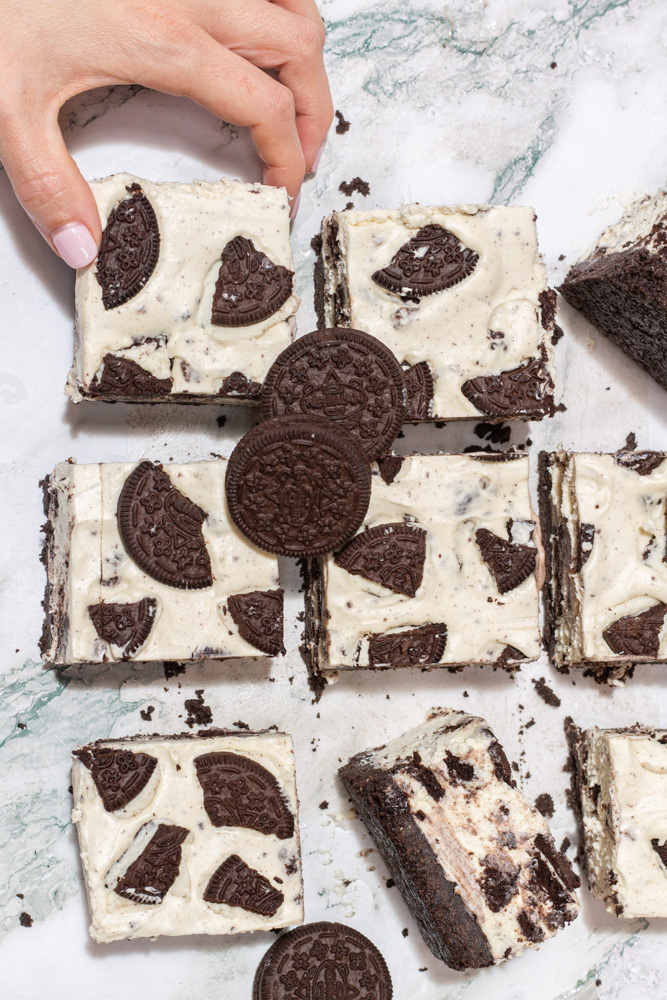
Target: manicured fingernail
75, 244
295, 206
316, 161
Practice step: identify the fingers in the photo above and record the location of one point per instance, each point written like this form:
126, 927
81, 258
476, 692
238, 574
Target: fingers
49, 185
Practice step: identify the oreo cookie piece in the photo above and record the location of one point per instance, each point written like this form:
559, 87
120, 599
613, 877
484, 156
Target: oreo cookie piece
298, 486
431, 261
237, 884
148, 878
240, 792
129, 249
641, 462
390, 554
119, 775
509, 563
323, 960
637, 635
415, 647
419, 391
259, 619
344, 376
126, 626
525, 391
161, 529
124, 377
249, 287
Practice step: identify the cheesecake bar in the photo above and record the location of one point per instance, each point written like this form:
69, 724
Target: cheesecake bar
144, 563
191, 297
458, 294
474, 861
603, 529
620, 285
445, 570
189, 834
620, 790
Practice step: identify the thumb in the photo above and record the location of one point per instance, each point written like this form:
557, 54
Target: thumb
49, 186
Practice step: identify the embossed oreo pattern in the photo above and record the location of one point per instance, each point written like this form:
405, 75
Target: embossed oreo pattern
124, 625
151, 876
526, 391
237, 884
416, 647
390, 554
249, 287
129, 249
297, 487
431, 261
345, 376
259, 619
637, 635
323, 961
240, 792
239, 386
419, 391
124, 377
161, 529
509, 563
119, 775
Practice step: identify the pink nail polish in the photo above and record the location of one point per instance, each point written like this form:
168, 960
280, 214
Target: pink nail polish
318, 157
295, 206
75, 244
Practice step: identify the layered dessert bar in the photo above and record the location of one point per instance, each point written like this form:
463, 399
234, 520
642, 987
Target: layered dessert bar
474, 861
603, 529
190, 834
620, 285
191, 297
445, 570
144, 563
458, 294
620, 786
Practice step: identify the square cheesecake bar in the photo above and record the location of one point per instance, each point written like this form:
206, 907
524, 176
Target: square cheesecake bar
189, 834
458, 294
620, 791
474, 861
604, 533
620, 285
445, 570
144, 563
191, 297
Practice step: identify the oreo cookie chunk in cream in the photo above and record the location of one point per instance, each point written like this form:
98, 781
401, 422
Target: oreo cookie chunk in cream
143, 563
189, 834
192, 295
458, 294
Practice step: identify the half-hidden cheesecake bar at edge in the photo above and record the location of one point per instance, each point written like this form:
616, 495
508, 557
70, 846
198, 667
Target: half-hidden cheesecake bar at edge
188, 834
474, 861
620, 789
445, 570
143, 563
458, 294
604, 535
191, 297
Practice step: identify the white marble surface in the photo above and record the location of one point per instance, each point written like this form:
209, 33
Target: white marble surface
447, 103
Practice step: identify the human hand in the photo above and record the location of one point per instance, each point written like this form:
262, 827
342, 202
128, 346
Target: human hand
212, 51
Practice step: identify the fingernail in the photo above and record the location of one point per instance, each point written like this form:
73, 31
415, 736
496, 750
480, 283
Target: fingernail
318, 157
295, 206
75, 244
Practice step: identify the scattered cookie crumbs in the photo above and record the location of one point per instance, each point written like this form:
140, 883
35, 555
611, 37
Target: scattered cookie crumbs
404, 932
548, 696
147, 713
496, 433
324, 804
630, 442
355, 186
342, 125
199, 714
241, 725
545, 805
25, 919
172, 669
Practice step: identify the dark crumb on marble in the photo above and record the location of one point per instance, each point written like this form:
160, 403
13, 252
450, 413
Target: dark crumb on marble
440, 424
301, 617
553, 65
70, 789
404, 932
465, 694
324, 804
355, 186
496, 433
425, 969
390, 883
515, 766
598, 982
556, 335
221, 420
21, 725
545, 805
25, 919
147, 713
342, 125
630, 442
172, 669
548, 696
529, 725
565, 845
561, 256
349, 206
241, 725
199, 714
20, 894
561, 408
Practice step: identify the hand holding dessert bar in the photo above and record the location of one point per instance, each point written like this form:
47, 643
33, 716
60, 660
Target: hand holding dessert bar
213, 53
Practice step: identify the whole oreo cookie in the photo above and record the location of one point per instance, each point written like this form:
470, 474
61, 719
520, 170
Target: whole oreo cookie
298, 486
322, 960
342, 375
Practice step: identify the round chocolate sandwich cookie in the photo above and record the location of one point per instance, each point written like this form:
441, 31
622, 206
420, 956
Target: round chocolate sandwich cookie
322, 960
342, 375
298, 486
